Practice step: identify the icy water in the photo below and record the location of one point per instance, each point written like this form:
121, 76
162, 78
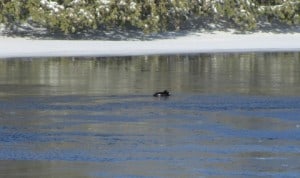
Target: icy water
230, 115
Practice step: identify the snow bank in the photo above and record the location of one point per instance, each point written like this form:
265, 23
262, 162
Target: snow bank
191, 43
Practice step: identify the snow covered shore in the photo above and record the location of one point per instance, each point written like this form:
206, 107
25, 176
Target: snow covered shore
191, 43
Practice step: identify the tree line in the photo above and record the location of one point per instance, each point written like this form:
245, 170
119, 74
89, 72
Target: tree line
72, 16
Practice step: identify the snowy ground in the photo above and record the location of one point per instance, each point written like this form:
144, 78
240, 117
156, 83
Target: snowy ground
194, 42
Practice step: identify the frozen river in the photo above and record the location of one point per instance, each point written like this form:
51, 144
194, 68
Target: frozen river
230, 115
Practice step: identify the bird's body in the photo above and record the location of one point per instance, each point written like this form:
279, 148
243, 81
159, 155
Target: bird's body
162, 94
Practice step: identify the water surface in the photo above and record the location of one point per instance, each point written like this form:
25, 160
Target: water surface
230, 115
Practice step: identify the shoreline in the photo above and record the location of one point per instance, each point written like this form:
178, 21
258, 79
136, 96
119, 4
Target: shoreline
192, 43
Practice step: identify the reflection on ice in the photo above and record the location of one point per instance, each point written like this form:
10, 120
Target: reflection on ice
250, 73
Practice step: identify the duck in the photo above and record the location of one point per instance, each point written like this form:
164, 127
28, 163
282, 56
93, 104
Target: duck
164, 93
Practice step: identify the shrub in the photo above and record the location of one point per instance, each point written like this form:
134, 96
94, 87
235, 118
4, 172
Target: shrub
73, 16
